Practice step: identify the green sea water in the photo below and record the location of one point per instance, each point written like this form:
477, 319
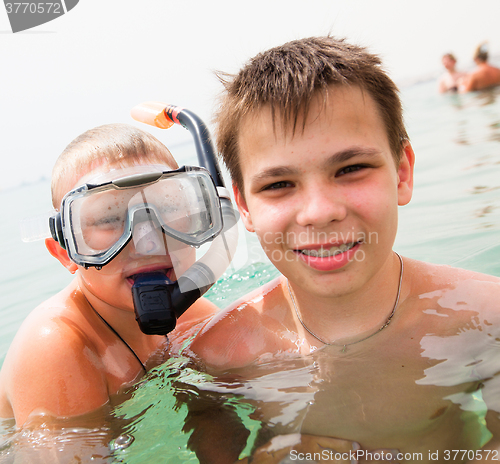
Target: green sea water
453, 218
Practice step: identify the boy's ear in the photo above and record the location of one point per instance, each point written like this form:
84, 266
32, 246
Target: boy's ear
243, 209
58, 252
405, 174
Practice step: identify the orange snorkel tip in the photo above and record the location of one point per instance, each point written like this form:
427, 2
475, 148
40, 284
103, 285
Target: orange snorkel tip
152, 113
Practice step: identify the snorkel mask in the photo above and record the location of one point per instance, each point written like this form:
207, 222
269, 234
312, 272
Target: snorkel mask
162, 212
99, 218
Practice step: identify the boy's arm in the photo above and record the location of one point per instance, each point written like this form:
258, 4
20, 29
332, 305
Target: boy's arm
247, 329
235, 339
191, 322
200, 311
53, 370
218, 435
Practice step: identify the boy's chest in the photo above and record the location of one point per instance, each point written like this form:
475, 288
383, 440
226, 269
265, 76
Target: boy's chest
378, 401
382, 404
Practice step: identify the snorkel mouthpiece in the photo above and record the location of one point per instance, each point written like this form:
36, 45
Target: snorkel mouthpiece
158, 301
154, 311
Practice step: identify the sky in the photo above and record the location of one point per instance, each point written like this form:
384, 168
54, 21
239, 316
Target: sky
92, 65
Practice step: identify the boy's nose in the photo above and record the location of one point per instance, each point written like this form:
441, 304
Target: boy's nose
148, 239
319, 206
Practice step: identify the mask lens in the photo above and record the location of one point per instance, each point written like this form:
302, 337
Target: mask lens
182, 206
98, 221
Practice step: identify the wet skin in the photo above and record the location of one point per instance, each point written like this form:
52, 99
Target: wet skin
331, 187
65, 361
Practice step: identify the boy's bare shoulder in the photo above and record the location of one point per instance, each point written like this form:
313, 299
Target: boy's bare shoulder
425, 275
453, 287
48, 325
245, 330
191, 322
50, 356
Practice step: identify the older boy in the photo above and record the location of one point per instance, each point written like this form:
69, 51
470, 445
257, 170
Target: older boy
402, 353
83, 345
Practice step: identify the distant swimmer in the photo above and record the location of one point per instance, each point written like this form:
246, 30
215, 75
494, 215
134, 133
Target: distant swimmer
450, 79
484, 75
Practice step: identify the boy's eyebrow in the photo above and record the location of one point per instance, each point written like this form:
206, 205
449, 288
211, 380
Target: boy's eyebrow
339, 157
348, 153
277, 171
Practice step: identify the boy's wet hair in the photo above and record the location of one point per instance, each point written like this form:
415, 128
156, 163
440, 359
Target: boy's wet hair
115, 145
288, 77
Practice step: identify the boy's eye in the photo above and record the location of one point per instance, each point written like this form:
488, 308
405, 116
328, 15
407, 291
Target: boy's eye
349, 169
110, 221
278, 185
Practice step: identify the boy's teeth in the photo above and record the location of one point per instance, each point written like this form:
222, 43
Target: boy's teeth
327, 252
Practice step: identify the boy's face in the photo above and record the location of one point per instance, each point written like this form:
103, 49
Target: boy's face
324, 202
156, 253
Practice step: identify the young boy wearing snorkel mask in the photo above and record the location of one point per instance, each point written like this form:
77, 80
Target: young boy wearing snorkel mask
125, 211
398, 354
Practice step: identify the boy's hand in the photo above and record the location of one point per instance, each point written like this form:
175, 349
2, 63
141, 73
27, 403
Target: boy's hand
284, 449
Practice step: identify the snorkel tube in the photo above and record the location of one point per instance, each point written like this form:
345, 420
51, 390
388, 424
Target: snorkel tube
158, 301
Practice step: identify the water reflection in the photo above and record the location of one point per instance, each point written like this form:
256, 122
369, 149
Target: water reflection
77, 440
468, 357
477, 118
428, 385
95, 437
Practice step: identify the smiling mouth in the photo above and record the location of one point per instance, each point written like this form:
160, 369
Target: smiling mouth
329, 252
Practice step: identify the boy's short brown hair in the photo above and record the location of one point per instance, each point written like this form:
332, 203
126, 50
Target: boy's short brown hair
116, 145
288, 77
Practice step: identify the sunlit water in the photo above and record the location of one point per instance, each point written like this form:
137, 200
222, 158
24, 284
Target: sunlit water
454, 218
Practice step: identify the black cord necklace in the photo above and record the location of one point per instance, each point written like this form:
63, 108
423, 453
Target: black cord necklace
345, 345
120, 337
